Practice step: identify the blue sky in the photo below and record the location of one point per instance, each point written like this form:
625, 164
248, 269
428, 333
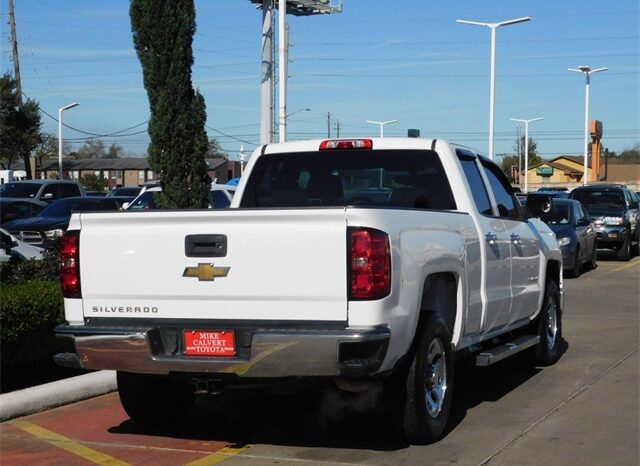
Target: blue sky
377, 60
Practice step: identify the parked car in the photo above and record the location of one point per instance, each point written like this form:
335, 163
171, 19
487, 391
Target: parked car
95, 193
220, 197
575, 232
614, 210
132, 191
560, 193
50, 224
559, 189
42, 190
10, 247
15, 208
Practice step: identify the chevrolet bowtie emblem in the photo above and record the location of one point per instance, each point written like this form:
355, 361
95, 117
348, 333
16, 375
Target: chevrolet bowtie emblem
206, 272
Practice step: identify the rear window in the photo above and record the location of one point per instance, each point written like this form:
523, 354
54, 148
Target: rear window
599, 199
560, 214
382, 178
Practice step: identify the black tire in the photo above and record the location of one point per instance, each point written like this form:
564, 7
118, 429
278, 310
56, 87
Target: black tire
635, 248
577, 266
428, 385
154, 399
623, 253
549, 327
593, 262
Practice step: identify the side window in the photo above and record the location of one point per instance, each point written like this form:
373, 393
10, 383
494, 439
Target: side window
69, 190
508, 207
478, 189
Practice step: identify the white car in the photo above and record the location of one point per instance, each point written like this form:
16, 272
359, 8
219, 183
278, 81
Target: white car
219, 197
12, 246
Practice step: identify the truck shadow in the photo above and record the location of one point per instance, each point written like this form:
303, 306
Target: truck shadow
322, 416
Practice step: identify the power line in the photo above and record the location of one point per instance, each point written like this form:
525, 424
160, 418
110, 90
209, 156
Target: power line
96, 135
229, 136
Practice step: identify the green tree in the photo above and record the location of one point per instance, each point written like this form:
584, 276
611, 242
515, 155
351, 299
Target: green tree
214, 150
92, 182
115, 151
92, 149
630, 155
534, 158
508, 162
163, 36
19, 125
511, 160
48, 149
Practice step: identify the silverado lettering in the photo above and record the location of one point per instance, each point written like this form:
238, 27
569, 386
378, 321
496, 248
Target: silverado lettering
127, 309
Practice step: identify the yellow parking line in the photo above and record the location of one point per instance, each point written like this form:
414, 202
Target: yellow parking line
217, 457
66, 443
626, 266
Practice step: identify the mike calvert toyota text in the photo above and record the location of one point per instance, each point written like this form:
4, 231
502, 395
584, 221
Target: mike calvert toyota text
365, 262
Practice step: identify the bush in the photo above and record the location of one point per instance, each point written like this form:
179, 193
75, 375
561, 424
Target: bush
19, 270
29, 311
26, 309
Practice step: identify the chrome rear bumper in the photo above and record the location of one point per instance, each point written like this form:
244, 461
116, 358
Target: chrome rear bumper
272, 353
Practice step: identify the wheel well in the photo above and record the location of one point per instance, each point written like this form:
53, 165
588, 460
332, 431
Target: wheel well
553, 272
439, 296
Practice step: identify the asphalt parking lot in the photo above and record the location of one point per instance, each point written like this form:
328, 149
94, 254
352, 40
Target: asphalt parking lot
583, 410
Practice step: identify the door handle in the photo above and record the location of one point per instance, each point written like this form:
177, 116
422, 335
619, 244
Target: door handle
491, 238
205, 245
515, 239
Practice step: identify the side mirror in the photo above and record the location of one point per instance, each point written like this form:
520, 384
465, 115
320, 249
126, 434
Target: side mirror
583, 222
6, 243
124, 205
48, 196
538, 204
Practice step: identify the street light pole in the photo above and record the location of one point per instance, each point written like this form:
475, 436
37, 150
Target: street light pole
382, 123
526, 149
60, 110
492, 82
587, 72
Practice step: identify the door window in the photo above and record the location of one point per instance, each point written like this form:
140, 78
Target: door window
476, 184
50, 192
508, 206
69, 190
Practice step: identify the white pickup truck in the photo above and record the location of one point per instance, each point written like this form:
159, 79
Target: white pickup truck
365, 261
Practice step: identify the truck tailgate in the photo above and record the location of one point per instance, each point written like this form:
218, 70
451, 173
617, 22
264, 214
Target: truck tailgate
282, 265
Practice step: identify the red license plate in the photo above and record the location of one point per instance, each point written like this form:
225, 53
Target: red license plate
209, 343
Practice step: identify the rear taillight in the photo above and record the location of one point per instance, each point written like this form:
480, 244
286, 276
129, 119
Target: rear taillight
337, 144
70, 264
370, 264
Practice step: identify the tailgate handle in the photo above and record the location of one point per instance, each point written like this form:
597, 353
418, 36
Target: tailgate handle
205, 245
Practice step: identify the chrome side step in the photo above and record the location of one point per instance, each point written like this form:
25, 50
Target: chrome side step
493, 355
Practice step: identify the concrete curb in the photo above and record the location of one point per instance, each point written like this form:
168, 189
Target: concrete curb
54, 394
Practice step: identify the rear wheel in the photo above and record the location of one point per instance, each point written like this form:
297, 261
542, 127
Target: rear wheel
623, 253
549, 328
635, 249
594, 258
575, 270
428, 387
154, 399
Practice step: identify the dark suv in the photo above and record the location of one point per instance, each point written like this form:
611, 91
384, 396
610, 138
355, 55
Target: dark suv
614, 211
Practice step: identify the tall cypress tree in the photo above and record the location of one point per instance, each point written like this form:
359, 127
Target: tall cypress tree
163, 36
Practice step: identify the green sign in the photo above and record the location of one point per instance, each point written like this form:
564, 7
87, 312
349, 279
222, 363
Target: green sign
544, 171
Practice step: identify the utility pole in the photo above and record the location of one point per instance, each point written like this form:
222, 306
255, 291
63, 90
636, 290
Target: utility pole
337, 128
328, 124
16, 72
266, 90
519, 155
14, 48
